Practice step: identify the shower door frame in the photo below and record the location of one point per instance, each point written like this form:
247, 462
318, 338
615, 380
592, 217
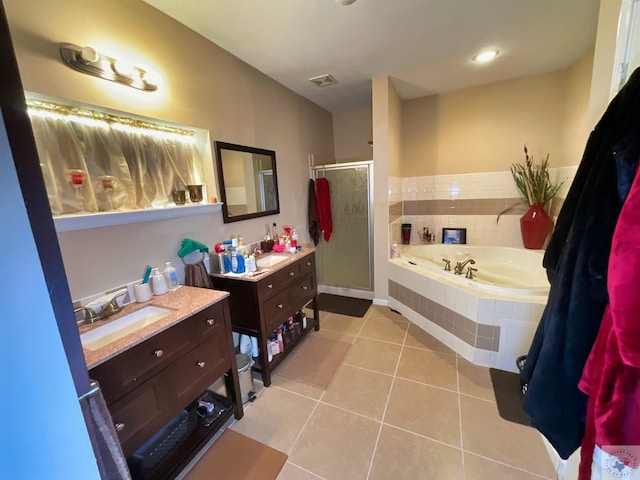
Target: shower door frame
353, 292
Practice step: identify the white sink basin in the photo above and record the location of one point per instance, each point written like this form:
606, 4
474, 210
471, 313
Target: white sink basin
112, 331
269, 261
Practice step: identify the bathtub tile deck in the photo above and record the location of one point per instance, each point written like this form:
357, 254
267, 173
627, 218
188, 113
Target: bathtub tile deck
402, 406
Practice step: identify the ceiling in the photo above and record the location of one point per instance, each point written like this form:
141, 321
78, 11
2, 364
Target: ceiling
425, 46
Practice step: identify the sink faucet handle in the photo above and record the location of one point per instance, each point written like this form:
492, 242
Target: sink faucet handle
88, 314
114, 301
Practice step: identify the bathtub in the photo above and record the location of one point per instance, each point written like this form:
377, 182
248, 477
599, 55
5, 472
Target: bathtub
512, 271
491, 319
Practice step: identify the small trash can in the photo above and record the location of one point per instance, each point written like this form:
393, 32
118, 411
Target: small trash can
247, 392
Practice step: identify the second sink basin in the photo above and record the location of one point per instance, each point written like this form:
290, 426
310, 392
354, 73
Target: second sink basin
123, 326
270, 260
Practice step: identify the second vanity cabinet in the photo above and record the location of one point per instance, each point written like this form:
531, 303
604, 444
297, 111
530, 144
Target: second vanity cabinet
148, 384
260, 304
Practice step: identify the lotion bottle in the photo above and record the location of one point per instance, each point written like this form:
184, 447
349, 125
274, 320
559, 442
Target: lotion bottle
170, 275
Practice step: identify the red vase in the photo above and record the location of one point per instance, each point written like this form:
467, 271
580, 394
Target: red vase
535, 226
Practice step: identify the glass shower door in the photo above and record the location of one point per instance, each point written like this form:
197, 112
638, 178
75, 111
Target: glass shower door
345, 260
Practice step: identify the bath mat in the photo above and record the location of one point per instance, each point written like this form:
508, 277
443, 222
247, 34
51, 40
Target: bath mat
237, 457
315, 361
354, 307
506, 388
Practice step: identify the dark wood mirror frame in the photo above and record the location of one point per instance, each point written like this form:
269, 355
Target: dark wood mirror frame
261, 207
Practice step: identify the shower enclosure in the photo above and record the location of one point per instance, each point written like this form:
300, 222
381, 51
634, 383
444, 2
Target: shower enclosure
344, 263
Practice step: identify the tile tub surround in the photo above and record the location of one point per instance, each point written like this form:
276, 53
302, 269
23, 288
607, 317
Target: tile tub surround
471, 200
485, 328
184, 302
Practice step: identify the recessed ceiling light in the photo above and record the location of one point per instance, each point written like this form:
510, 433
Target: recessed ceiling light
485, 56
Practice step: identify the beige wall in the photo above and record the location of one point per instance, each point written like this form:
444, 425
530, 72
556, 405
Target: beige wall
604, 58
352, 132
577, 126
387, 145
483, 129
203, 86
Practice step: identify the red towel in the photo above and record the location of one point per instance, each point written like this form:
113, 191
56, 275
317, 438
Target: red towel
323, 202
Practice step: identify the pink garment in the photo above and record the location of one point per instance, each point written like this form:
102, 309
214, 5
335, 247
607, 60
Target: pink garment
323, 203
611, 376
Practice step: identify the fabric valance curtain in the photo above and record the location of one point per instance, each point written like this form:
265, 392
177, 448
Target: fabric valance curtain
122, 169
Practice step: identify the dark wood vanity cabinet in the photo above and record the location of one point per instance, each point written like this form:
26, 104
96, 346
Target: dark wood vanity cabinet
149, 384
259, 307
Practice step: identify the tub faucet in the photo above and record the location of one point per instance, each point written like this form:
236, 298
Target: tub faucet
470, 271
459, 268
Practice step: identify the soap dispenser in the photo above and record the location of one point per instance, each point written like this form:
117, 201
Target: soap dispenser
158, 283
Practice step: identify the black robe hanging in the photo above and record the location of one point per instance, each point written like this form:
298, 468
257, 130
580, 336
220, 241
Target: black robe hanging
576, 262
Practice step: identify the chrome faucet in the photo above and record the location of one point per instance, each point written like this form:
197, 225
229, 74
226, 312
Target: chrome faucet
89, 315
470, 271
110, 308
459, 268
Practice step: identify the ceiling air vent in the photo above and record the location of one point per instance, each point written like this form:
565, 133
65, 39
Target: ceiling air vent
323, 80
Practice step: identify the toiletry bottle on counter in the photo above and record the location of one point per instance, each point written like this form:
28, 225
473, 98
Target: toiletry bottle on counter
226, 261
237, 262
280, 341
170, 275
294, 239
252, 263
234, 261
158, 283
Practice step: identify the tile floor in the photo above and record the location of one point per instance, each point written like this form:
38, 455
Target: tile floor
401, 406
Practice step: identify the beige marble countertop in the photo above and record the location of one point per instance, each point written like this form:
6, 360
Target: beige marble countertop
290, 258
184, 301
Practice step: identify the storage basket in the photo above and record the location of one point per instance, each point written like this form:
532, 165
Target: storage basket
221, 404
144, 461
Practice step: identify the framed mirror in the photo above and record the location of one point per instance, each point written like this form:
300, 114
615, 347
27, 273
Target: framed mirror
248, 181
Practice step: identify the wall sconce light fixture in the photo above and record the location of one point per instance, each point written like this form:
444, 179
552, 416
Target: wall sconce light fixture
88, 60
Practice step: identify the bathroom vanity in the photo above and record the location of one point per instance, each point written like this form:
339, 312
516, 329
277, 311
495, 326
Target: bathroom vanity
260, 303
150, 375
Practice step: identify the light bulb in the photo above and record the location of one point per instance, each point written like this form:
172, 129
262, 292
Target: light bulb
122, 67
151, 78
89, 55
